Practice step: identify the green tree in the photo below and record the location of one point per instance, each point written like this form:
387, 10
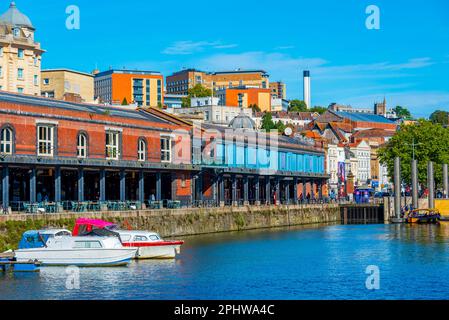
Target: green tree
280, 126
267, 122
297, 106
439, 116
198, 91
318, 109
124, 102
431, 144
402, 113
254, 107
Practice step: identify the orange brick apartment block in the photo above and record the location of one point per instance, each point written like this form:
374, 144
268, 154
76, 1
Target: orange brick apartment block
180, 82
144, 88
245, 97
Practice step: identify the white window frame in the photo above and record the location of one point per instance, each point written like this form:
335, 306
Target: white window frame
4, 142
113, 147
142, 150
81, 146
166, 151
46, 140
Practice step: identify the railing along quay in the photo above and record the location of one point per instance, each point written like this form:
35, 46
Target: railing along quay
48, 207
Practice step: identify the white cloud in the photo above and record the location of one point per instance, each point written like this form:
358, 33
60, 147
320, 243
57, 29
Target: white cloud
191, 47
288, 68
284, 47
336, 82
225, 46
280, 65
372, 70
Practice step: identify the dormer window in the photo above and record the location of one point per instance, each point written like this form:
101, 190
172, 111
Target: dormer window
16, 32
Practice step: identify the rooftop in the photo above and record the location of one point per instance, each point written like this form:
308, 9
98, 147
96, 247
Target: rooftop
363, 117
68, 70
292, 115
81, 107
242, 121
373, 133
13, 17
302, 143
125, 71
239, 71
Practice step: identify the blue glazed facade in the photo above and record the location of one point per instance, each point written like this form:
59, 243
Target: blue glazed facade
233, 155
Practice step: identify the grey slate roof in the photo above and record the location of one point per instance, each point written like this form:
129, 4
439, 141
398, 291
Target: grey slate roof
80, 107
13, 17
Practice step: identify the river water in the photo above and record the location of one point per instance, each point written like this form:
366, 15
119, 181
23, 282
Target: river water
312, 262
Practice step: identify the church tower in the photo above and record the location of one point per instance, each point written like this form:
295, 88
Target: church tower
381, 108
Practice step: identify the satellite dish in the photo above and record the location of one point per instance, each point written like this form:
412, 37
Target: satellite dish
288, 131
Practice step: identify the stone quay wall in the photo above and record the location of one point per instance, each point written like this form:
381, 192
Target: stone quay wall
176, 222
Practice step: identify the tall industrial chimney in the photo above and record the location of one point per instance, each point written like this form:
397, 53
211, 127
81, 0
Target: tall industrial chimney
307, 97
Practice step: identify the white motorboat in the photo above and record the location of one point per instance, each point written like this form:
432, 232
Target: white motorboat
149, 244
58, 247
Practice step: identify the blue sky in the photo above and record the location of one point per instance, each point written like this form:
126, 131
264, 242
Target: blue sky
407, 60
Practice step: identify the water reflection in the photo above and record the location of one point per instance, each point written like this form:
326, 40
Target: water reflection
308, 262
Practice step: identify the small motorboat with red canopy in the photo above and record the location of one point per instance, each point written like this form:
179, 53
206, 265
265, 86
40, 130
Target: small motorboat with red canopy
149, 244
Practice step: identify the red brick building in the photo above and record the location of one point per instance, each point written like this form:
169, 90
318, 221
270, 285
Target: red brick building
60, 152
71, 156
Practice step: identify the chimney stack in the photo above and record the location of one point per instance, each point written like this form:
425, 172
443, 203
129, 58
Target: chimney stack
307, 96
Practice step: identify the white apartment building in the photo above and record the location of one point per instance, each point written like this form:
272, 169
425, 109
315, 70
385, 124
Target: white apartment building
211, 111
296, 119
361, 162
335, 160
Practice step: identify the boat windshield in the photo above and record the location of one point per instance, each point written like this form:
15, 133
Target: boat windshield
33, 239
84, 226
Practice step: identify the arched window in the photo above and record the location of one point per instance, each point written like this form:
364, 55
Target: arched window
82, 146
6, 141
142, 150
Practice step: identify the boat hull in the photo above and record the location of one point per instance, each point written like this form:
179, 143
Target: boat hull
155, 250
423, 219
77, 257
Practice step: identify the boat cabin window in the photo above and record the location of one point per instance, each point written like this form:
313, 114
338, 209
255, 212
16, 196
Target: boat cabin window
62, 234
154, 237
87, 244
140, 238
125, 237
